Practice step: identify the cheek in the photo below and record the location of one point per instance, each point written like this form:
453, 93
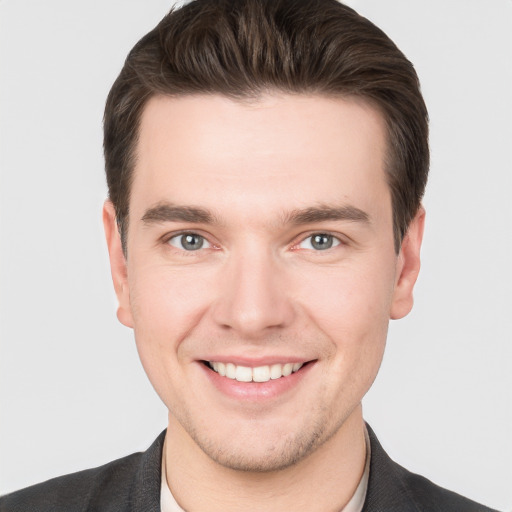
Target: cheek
351, 305
166, 304
166, 298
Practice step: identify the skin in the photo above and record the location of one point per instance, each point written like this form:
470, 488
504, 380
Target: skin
259, 291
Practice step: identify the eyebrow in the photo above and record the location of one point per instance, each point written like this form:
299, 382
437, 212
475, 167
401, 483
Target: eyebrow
327, 213
168, 212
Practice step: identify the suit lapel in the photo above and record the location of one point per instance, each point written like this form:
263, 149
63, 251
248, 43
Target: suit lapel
146, 489
387, 491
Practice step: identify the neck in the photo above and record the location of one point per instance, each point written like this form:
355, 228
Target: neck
325, 480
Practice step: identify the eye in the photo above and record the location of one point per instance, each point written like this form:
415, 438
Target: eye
189, 242
319, 242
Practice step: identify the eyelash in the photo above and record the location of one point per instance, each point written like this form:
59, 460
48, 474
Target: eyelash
182, 234
334, 240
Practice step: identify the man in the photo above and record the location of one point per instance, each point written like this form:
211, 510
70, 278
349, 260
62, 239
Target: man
266, 162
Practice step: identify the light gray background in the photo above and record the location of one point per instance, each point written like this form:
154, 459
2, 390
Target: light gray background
73, 393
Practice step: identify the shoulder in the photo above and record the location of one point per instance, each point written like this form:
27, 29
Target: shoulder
393, 488
431, 497
109, 483
115, 486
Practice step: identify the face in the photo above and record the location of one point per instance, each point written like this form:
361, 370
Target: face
261, 272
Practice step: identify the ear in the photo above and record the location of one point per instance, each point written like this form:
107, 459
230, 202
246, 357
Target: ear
408, 267
118, 266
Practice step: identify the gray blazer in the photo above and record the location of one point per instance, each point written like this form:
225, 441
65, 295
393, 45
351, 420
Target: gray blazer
132, 484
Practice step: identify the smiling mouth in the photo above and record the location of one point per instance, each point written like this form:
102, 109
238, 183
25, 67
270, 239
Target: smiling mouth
256, 374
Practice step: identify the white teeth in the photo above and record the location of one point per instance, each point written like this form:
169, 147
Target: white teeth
261, 374
276, 371
221, 369
243, 374
231, 371
257, 374
287, 369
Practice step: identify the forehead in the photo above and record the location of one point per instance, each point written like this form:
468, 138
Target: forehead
274, 151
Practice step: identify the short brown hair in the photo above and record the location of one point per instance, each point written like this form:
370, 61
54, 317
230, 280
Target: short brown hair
242, 48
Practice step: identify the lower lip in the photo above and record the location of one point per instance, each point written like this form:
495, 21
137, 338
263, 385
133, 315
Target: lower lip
256, 391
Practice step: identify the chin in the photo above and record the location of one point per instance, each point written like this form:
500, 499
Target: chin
261, 453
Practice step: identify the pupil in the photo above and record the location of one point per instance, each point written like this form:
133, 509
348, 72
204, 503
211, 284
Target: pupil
322, 242
192, 242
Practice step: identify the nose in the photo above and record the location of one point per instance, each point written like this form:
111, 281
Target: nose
252, 295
